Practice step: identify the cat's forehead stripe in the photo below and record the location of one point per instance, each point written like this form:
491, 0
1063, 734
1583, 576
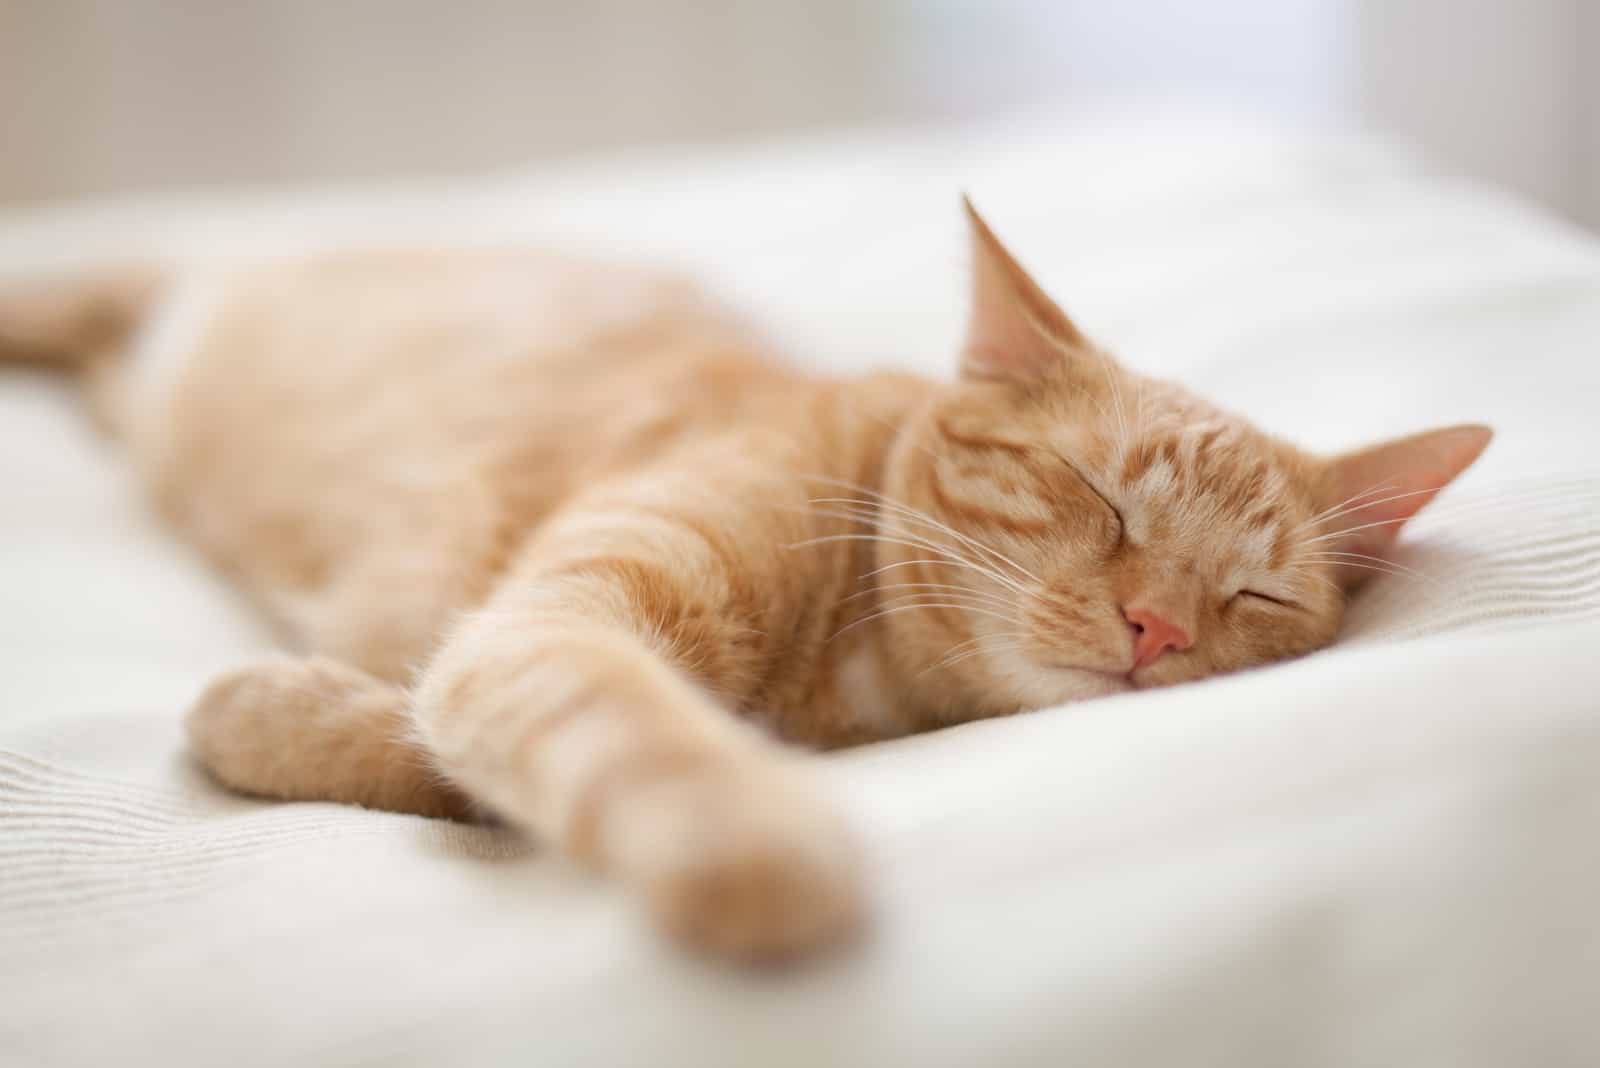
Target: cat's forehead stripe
1193, 483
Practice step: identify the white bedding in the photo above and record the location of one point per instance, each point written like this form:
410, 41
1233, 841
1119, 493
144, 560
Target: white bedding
1385, 854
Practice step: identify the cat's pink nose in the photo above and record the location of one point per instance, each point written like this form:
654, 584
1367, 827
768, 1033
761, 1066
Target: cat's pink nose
1153, 636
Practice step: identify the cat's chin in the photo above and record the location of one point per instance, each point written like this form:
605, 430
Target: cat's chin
1056, 684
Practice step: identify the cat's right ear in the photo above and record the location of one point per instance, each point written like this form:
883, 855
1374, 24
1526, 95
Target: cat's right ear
1015, 333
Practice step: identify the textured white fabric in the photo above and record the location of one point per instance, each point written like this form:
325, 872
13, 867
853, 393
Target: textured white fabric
1384, 854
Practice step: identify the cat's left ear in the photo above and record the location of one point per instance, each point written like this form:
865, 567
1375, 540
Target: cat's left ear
1370, 493
1015, 332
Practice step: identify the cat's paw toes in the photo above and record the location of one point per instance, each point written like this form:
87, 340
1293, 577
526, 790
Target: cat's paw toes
237, 725
767, 878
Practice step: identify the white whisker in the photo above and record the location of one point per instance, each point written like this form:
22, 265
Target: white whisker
912, 598
922, 517
934, 563
1000, 647
1376, 488
1368, 504
926, 542
1332, 553
903, 563
966, 591
1382, 570
1374, 563
1005, 640
1347, 531
940, 563
912, 607
914, 542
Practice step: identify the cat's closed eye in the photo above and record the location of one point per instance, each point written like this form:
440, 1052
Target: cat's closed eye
1119, 525
1266, 598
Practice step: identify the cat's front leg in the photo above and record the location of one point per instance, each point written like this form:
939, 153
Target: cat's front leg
567, 722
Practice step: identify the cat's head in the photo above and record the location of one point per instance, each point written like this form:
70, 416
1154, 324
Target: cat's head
1092, 530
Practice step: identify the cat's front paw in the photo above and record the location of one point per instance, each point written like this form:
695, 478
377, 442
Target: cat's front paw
253, 725
229, 723
758, 873
316, 730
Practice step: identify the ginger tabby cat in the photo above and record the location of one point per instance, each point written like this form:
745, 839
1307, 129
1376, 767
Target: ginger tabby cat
561, 543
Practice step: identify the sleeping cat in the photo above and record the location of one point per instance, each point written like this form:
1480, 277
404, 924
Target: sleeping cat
560, 542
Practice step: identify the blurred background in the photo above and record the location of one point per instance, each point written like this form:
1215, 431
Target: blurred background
105, 96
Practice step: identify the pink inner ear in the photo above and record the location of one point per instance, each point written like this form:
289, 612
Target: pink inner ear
1371, 493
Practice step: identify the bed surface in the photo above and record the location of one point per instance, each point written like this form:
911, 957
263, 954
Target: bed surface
1387, 853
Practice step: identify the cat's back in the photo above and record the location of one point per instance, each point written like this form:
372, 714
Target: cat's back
320, 330
383, 424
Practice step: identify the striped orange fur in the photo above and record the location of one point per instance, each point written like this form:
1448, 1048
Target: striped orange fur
560, 542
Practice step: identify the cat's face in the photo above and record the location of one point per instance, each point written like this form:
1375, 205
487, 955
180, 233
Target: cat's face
1090, 530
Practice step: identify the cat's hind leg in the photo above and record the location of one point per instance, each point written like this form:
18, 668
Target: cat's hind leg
315, 729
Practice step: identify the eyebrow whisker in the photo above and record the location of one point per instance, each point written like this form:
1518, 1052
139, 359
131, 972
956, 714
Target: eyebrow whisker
1367, 504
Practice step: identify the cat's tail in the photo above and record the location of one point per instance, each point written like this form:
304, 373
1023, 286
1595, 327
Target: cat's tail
71, 321
83, 323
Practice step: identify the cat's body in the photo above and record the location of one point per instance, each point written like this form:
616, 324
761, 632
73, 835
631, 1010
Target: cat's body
554, 535
370, 502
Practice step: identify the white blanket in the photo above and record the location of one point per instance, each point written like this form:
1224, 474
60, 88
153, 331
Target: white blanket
1385, 854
